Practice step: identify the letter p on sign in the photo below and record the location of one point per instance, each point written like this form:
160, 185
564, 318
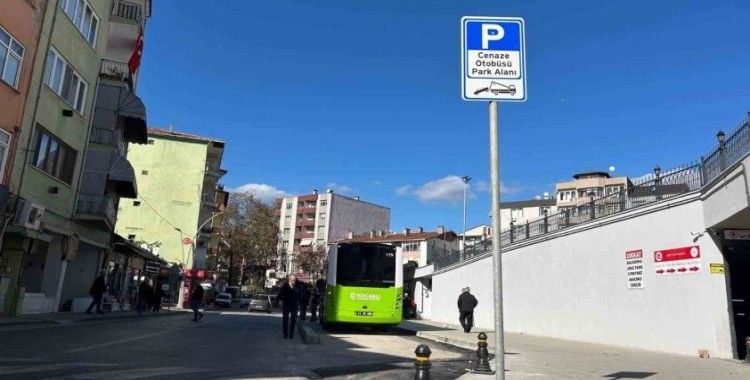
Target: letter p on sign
491, 32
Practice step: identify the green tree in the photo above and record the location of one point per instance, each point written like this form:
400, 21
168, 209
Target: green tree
251, 229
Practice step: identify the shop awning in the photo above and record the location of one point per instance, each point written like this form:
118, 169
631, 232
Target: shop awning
132, 114
122, 174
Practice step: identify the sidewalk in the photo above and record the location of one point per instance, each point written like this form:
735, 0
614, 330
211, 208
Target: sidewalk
67, 318
532, 356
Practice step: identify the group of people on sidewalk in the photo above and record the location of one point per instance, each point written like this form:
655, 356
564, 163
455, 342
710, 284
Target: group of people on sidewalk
296, 296
149, 297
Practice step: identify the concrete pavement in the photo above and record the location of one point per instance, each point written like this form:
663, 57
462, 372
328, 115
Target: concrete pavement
540, 357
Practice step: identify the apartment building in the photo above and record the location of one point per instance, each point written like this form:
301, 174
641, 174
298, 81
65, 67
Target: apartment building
60, 237
416, 245
474, 236
180, 200
316, 219
588, 185
520, 212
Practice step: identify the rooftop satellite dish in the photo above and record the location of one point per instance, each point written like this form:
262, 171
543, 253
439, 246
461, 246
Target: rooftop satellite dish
611, 168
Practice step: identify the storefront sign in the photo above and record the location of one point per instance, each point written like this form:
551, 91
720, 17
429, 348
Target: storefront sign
737, 234
676, 261
152, 266
634, 269
716, 268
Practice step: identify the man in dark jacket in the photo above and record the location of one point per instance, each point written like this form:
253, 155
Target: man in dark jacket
290, 295
305, 301
196, 298
98, 288
466, 304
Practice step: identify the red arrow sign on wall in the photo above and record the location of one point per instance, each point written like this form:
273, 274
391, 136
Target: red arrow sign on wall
694, 269
681, 270
660, 271
670, 270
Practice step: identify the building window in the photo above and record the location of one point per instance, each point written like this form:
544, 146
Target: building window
131, 237
63, 80
285, 244
83, 17
150, 141
322, 217
286, 231
287, 220
323, 202
298, 229
11, 55
410, 247
289, 206
516, 213
53, 156
144, 172
4, 145
321, 230
136, 203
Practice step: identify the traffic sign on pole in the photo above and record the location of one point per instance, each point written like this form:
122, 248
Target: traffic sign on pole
493, 58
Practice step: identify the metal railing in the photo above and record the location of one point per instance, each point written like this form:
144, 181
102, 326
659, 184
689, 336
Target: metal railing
97, 206
127, 10
107, 137
114, 70
651, 189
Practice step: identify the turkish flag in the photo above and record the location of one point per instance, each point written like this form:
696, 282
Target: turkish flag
135, 58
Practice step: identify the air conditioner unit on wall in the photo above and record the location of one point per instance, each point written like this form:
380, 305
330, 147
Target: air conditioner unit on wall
28, 214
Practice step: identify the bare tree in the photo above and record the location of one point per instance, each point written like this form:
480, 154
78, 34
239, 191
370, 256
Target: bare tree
311, 263
251, 229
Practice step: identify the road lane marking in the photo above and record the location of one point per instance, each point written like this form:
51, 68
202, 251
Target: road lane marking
14, 370
115, 342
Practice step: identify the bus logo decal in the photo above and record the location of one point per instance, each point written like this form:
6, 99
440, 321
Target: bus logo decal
364, 297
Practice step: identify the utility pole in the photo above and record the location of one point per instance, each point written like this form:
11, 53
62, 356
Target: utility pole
497, 267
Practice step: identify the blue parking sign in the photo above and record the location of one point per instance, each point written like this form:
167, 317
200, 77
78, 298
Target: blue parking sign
493, 58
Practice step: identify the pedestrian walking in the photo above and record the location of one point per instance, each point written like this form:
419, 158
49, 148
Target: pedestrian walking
156, 299
98, 288
466, 304
305, 301
290, 295
196, 299
317, 295
144, 296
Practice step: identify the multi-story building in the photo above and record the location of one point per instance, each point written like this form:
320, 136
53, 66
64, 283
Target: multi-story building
573, 194
180, 201
520, 212
415, 245
474, 236
307, 221
57, 230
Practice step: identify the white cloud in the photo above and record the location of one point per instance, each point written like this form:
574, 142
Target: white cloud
450, 189
340, 189
263, 191
404, 190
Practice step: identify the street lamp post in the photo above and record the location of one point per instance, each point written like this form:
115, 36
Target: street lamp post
721, 137
657, 182
466, 180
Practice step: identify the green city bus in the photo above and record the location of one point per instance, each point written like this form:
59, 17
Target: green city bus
364, 285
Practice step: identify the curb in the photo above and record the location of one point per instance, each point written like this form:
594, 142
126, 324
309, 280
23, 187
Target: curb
441, 339
105, 317
309, 336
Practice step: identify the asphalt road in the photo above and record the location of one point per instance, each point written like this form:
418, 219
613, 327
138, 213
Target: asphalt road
229, 344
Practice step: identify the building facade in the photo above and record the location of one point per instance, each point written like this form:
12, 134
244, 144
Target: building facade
314, 220
180, 201
573, 194
519, 212
58, 233
416, 245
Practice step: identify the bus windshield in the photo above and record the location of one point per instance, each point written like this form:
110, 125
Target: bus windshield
369, 265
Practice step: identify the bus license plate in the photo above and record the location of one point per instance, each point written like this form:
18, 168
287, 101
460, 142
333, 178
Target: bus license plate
363, 313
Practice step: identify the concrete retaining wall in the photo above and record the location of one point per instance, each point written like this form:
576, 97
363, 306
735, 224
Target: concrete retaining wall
573, 285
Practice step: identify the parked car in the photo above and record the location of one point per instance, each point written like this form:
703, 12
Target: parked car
260, 302
234, 291
223, 300
244, 300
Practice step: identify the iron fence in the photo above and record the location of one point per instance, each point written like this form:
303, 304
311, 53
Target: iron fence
653, 188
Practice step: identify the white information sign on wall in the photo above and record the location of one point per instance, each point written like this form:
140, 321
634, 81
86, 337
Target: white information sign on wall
493, 58
634, 269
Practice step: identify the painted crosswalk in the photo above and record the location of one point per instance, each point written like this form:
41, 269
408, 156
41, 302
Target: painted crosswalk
42, 369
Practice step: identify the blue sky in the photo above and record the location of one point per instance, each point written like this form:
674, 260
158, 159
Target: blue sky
363, 96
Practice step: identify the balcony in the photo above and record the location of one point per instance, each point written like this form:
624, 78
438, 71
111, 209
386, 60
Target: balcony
107, 137
99, 209
114, 70
126, 10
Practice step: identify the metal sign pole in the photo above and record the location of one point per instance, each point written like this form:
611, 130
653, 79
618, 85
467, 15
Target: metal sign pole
497, 267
